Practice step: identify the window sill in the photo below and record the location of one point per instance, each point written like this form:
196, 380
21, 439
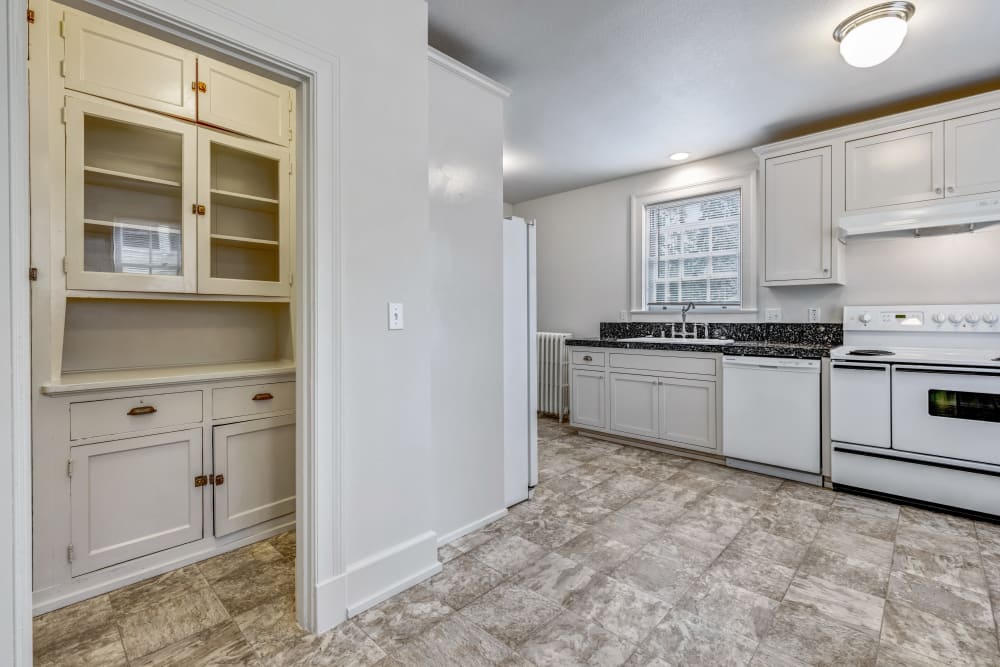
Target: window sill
673, 310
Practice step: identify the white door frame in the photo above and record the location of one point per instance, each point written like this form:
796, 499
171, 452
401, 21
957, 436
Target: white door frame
320, 590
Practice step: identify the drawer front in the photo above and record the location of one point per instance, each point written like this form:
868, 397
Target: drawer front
253, 399
664, 363
89, 419
586, 358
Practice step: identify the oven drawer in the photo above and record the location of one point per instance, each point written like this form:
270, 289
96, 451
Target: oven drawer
860, 398
952, 412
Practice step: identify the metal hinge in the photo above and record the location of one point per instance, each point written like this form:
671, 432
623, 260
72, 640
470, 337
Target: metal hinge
62, 28
63, 116
62, 68
200, 480
33, 273
65, 266
69, 468
31, 16
70, 553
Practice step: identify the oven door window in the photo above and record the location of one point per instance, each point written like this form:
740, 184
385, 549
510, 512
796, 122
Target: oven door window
964, 405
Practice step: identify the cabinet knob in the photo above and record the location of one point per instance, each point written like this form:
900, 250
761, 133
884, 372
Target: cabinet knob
141, 410
263, 397
588, 358
937, 191
951, 188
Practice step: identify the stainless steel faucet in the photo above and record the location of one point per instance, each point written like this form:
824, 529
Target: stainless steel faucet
684, 318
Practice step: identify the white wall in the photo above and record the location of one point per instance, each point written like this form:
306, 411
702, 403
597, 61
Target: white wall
466, 181
508, 210
583, 258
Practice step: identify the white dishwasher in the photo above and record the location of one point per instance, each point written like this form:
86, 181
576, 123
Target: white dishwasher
771, 412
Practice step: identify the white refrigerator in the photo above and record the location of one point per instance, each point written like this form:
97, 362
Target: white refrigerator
520, 361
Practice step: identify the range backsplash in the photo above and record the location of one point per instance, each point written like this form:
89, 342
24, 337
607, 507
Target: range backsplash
773, 332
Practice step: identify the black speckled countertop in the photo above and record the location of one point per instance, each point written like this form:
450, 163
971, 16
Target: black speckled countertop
799, 341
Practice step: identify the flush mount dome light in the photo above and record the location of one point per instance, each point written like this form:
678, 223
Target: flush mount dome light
872, 35
677, 157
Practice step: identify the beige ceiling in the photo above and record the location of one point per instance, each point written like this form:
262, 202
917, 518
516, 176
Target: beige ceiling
605, 88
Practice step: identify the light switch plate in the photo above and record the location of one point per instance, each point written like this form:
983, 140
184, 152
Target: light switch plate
772, 315
395, 316
813, 315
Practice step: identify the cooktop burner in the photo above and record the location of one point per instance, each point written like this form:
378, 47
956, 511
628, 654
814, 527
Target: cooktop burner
870, 353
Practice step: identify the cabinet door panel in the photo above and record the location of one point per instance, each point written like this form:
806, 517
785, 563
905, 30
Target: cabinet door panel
243, 102
798, 227
116, 63
895, 168
588, 399
687, 412
130, 184
634, 405
134, 497
257, 462
972, 147
244, 235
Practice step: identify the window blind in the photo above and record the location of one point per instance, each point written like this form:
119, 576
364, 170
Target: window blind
693, 250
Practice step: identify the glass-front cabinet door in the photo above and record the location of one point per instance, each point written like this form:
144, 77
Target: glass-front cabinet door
243, 187
130, 190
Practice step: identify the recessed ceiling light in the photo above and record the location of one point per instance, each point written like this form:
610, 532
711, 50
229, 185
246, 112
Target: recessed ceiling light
872, 35
677, 157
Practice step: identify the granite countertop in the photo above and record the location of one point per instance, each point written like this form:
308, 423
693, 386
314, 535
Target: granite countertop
741, 348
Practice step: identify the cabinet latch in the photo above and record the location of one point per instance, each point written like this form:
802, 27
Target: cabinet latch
199, 86
198, 209
200, 480
33, 273
31, 16
217, 480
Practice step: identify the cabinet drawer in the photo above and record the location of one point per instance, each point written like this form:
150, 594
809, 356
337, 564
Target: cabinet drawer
137, 413
664, 363
253, 399
588, 358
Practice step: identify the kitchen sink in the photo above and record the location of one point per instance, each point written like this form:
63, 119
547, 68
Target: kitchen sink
677, 341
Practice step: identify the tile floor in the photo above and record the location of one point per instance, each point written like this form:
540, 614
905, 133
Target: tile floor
624, 556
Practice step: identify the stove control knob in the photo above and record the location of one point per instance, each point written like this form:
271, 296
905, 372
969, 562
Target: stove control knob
940, 318
955, 318
990, 318
972, 318
866, 318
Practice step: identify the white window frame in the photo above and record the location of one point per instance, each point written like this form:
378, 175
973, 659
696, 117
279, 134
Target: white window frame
638, 236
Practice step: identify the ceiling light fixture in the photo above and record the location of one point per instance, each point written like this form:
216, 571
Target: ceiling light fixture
872, 35
677, 157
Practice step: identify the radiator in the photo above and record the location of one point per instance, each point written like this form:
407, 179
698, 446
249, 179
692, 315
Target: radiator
553, 374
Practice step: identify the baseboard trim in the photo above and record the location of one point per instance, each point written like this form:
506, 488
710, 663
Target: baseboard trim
403, 565
471, 527
331, 603
663, 447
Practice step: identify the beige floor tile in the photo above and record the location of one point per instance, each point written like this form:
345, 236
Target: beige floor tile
852, 608
508, 554
750, 572
511, 613
626, 611
597, 551
959, 605
462, 580
220, 645
555, 577
815, 639
172, 619
96, 647
688, 640
151, 592
915, 630
572, 640
843, 570
732, 610
454, 642
403, 617
76, 622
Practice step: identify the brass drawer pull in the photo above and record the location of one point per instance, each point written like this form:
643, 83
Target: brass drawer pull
263, 397
588, 358
141, 410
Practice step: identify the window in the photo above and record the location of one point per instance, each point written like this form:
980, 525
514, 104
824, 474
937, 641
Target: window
693, 245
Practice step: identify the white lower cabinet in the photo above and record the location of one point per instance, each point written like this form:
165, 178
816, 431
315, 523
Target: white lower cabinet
687, 412
588, 399
635, 405
134, 497
254, 472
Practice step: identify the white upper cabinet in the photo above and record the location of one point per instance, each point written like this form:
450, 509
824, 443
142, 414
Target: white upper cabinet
895, 168
116, 63
972, 154
130, 185
237, 100
798, 225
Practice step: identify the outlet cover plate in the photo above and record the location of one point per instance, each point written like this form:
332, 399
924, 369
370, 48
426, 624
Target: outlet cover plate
813, 315
772, 315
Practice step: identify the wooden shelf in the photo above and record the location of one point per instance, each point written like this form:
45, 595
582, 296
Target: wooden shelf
172, 296
243, 242
150, 227
240, 200
72, 383
121, 179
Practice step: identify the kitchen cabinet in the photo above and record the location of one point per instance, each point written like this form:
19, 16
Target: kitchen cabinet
687, 412
243, 102
898, 167
635, 405
254, 468
971, 147
134, 497
798, 219
588, 398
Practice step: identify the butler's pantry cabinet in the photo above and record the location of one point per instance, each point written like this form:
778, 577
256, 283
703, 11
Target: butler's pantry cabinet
163, 365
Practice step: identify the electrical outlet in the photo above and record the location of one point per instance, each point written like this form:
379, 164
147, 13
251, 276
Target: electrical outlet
395, 316
623, 316
772, 315
813, 315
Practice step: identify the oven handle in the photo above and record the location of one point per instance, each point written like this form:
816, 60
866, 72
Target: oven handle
861, 368
932, 371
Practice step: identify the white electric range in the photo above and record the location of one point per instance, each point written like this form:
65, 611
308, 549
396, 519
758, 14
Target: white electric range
915, 404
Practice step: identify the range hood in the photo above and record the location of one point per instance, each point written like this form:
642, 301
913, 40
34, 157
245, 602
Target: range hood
925, 219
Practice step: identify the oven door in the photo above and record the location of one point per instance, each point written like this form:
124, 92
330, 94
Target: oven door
953, 412
860, 403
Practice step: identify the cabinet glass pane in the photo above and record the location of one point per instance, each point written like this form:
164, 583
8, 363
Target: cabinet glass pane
132, 199
244, 215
